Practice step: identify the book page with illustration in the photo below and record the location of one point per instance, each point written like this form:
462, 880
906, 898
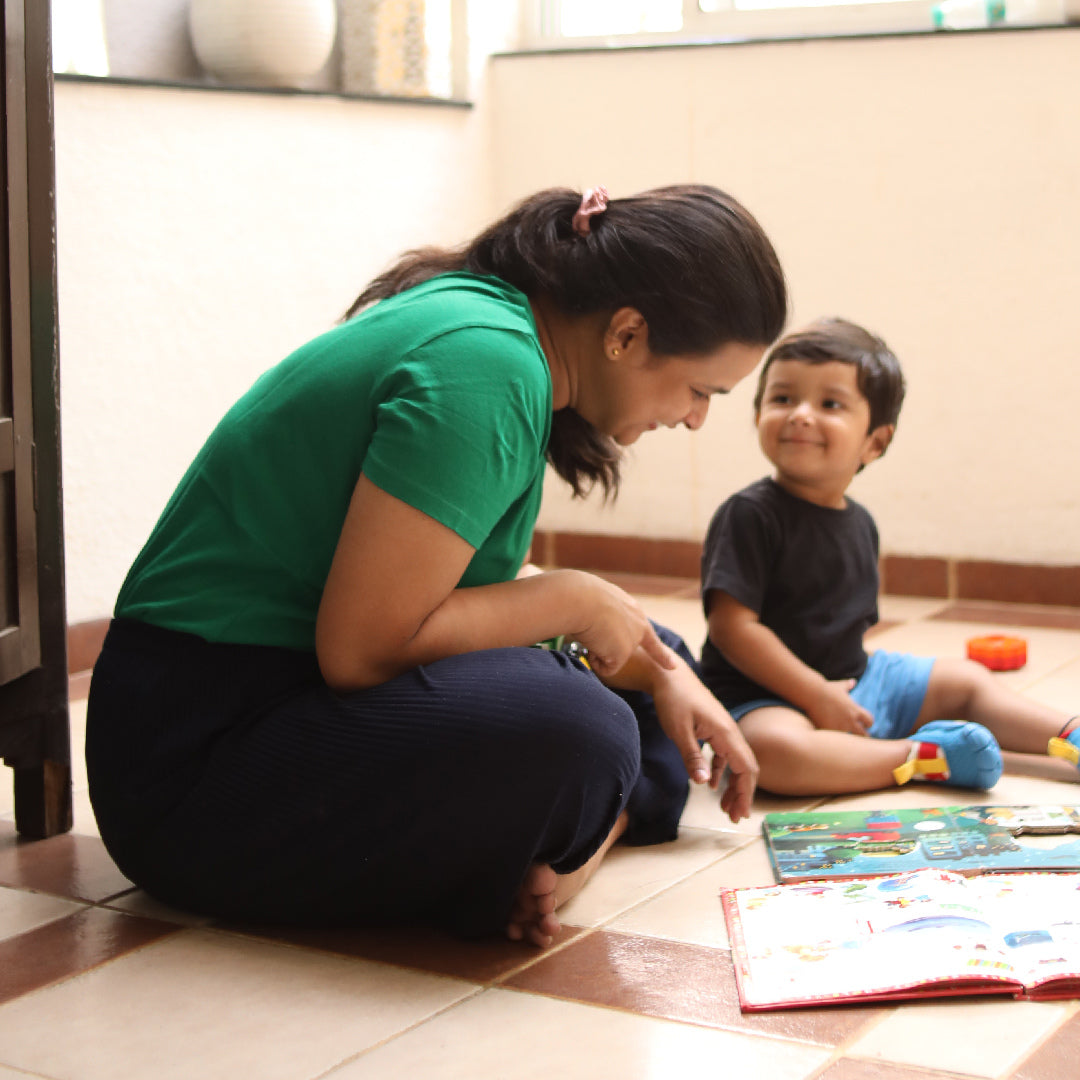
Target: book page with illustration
924, 933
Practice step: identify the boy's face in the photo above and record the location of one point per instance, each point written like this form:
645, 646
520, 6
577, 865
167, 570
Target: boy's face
813, 426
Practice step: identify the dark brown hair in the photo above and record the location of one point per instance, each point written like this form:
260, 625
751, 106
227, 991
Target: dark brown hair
690, 258
877, 370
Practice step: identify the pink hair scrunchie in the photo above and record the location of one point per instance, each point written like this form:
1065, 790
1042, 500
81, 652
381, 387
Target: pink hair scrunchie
593, 202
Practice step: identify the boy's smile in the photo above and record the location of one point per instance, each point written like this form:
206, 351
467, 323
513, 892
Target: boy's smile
813, 425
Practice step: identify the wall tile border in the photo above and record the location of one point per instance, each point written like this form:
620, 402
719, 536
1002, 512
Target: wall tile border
901, 575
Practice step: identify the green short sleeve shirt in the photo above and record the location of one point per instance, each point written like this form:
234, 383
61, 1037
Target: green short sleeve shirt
441, 396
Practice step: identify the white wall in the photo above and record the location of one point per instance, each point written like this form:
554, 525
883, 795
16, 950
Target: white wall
201, 237
926, 186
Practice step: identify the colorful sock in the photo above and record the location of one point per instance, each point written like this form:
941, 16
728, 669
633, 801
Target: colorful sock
952, 752
1066, 744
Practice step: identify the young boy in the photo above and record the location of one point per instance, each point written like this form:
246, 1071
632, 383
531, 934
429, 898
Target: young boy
790, 585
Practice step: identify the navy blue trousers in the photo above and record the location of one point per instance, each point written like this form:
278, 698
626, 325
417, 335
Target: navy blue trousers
230, 780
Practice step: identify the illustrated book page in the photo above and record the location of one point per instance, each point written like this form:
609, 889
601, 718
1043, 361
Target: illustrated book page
969, 839
921, 934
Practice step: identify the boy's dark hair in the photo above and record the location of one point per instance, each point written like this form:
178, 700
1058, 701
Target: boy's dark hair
878, 375
691, 259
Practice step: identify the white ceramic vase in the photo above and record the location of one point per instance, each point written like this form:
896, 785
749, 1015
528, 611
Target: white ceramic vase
263, 42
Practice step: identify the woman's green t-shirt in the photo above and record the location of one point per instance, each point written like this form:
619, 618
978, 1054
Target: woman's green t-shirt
441, 396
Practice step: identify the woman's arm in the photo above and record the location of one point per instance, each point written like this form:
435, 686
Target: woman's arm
391, 603
761, 656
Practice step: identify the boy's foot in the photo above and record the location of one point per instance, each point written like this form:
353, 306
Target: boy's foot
1067, 744
952, 752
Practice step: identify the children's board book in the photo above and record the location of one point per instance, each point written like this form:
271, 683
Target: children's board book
969, 839
928, 933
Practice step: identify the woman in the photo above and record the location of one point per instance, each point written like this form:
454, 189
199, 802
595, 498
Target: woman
314, 703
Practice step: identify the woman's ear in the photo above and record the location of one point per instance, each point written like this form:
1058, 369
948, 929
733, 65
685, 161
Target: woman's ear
627, 335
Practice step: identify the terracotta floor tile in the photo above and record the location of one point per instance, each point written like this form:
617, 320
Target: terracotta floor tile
690, 911
1010, 615
417, 947
858, 1069
213, 1006
651, 584
685, 617
1060, 689
21, 910
71, 945
1048, 649
703, 810
999, 1034
137, 902
1057, 1058
79, 685
674, 981
630, 875
513, 1036
68, 865
908, 608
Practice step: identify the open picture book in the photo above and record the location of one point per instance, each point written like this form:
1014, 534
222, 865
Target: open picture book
927, 933
823, 844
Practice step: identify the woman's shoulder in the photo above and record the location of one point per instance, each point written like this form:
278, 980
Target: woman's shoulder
461, 299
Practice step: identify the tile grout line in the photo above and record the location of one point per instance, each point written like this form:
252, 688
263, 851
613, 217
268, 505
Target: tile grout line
479, 989
1073, 1007
93, 967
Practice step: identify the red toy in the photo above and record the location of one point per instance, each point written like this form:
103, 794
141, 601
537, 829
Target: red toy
998, 652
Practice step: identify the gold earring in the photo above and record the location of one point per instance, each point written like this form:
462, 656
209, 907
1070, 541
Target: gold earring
614, 352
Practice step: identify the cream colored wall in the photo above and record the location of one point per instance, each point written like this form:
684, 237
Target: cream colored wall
926, 186
201, 237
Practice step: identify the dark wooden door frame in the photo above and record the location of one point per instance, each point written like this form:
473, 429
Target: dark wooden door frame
34, 729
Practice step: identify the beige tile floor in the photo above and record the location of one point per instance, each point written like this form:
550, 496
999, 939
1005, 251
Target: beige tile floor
98, 981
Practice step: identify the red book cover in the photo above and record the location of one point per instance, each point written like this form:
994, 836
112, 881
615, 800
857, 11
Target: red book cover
927, 933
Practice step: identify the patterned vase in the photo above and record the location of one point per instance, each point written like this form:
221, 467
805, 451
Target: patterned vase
263, 42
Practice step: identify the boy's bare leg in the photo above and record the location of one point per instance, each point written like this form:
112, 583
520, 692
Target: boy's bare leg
543, 891
965, 690
797, 758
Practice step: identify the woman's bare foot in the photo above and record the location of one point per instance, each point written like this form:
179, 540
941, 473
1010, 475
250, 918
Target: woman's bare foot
533, 917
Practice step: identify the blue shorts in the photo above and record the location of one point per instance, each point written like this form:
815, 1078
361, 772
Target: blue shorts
892, 689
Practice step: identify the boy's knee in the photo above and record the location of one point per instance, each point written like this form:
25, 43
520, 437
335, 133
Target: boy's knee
960, 676
775, 741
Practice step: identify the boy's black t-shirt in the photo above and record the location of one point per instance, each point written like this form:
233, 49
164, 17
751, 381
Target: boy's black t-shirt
809, 572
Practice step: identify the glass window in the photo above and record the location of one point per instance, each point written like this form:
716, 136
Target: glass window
589, 23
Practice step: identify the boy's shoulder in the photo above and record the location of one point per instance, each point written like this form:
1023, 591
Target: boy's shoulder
770, 505
761, 491
758, 501
764, 494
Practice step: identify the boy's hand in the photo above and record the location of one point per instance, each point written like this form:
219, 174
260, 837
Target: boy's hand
688, 712
835, 711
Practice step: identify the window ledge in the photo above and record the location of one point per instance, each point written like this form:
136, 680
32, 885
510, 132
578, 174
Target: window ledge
607, 46
279, 91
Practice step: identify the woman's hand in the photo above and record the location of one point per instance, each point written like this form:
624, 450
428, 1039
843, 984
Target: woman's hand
616, 627
689, 713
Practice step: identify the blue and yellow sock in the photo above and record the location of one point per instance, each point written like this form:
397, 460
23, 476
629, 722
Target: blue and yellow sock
1066, 744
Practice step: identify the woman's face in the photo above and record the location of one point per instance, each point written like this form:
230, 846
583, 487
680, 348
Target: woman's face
644, 392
